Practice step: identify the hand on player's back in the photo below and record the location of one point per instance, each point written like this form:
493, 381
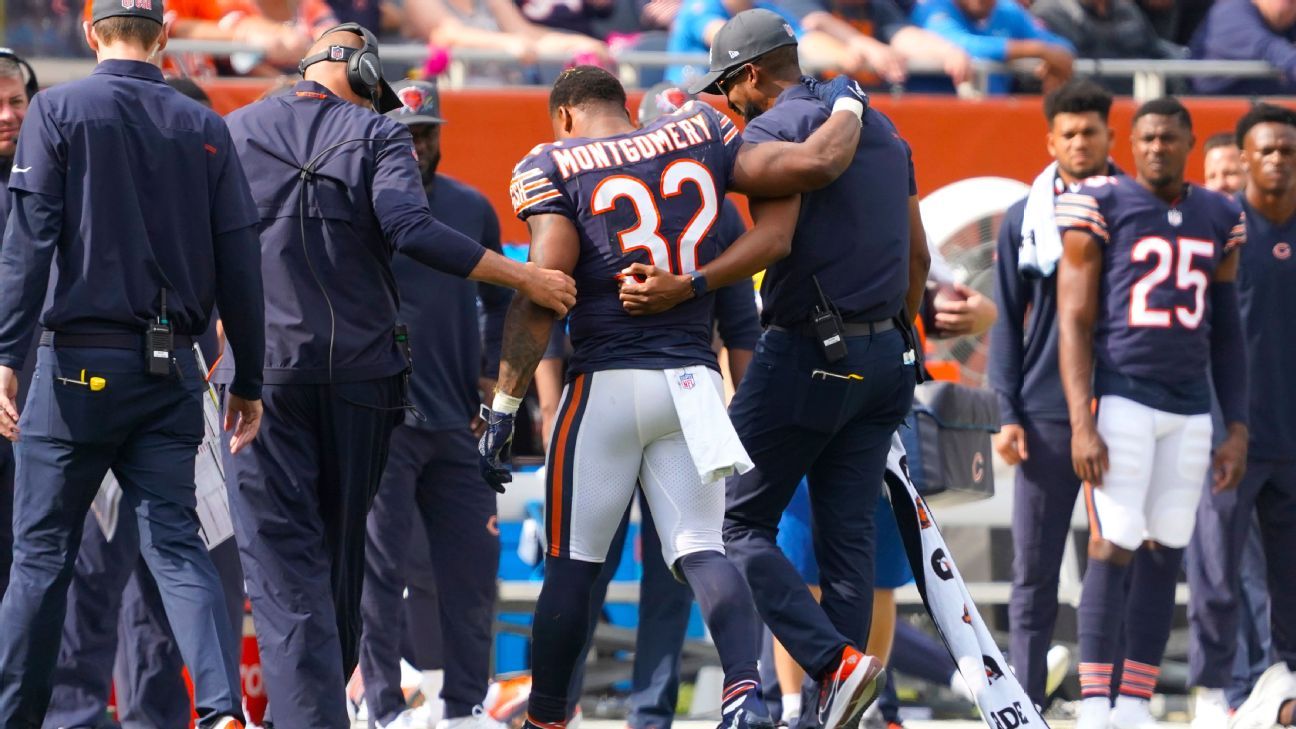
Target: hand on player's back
650, 290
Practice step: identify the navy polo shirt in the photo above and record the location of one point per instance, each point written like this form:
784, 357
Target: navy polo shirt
853, 235
331, 296
441, 311
735, 304
1267, 297
5, 166
128, 188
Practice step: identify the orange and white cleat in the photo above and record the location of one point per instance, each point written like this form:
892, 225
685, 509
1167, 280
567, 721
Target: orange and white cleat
848, 690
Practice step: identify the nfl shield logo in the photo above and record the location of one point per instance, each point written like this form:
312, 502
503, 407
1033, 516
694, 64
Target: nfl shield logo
335, 52
686, 380
128, 4
1175, 217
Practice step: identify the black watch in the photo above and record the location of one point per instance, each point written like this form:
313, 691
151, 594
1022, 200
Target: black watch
699, 284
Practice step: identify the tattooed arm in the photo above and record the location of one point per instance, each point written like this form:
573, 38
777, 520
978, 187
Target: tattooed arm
555, 243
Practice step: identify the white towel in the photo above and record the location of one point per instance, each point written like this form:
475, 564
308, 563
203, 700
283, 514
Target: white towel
1041, 246
711, 438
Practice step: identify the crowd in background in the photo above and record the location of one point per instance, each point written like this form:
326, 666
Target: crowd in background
926, 45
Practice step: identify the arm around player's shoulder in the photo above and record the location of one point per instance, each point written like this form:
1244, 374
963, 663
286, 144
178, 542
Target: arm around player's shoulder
791, 120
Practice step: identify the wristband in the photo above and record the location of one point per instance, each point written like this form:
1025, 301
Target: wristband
854, 106
506, 404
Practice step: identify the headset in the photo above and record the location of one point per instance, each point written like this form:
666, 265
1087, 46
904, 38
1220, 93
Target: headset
364, 71
32, 85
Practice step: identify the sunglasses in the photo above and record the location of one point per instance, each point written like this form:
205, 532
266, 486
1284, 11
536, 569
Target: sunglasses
723, 82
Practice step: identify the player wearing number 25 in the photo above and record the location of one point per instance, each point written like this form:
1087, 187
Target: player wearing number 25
644, 402
1146, 307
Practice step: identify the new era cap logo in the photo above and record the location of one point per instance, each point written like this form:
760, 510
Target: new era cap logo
733, 54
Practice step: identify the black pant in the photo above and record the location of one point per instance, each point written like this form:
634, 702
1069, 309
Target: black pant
299, 495
433, 514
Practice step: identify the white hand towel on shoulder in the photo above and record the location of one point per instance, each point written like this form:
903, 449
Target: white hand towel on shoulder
1041, 246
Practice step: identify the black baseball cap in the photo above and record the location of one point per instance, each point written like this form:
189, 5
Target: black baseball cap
746, 37
151, 9
420, 103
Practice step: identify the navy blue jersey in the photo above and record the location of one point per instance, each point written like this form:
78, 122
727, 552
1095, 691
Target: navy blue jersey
441, 312
128, 189
1152, 333
327, 238
1267, 297
853, 235
650, 196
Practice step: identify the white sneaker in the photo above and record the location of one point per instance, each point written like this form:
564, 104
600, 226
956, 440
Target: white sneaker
1132, 713
1059, 665
1095, 713
1260, 711
409, 719
1210, 709
479, 720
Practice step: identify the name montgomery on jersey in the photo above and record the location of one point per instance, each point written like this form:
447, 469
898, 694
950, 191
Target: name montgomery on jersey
603, 154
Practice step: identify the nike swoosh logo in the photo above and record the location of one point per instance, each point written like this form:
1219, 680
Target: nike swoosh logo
16, 168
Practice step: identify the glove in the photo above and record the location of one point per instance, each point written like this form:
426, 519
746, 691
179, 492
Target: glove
496, 449
841, 87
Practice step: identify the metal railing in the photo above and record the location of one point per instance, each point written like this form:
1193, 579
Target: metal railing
1148, 76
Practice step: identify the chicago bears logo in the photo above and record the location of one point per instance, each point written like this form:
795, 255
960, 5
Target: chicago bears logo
978, 467
924, 521
686, 381
967, 614
1282, 251
412, 98
941, 566
671, 100
992, 670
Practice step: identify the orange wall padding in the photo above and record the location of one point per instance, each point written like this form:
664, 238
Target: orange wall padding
489, 130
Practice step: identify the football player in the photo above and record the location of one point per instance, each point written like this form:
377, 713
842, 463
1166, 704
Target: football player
643, 401
1146, 307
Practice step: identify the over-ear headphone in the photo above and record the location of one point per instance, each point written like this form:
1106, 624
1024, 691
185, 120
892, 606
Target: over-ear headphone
31, 84
364, 71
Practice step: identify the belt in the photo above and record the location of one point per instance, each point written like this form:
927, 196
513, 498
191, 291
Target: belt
848, 328
106, 340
